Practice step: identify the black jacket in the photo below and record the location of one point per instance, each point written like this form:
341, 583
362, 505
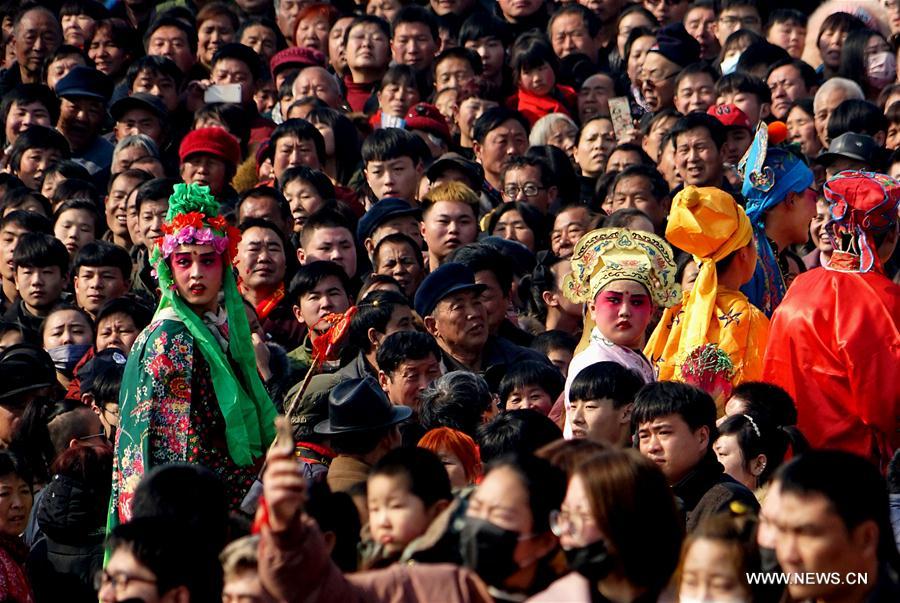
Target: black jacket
707, 490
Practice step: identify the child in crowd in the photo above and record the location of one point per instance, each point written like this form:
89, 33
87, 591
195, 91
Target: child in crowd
405, 491
536, 70
622, 276
533, 385
602, 397
76, 223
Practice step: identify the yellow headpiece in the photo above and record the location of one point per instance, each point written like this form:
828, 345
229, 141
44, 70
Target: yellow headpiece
611, 254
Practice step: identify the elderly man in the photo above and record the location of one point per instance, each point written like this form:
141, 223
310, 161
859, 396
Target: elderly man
36, 35
831, 94
450, 302
82, 113
318, 82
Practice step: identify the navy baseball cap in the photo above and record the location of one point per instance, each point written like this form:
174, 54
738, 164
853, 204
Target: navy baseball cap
448, 278
99, 364
85, 82
381, 212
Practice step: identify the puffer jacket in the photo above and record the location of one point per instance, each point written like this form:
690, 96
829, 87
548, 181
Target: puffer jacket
63, 563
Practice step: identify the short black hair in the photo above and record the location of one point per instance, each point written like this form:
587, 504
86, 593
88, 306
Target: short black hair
658, 185
385, 144
478, 257
373, 312
695, 120
760, 55
328, 216
239, 52
102, 253
768, 400
157, 64
786, 15
68, 169
319, 181
423, 471
481, 25
383, 25
17, 198
80, 203
532, 52
308, 276
167, 20
516, 432
284, 208
554, 339
853, 487
72, 189
129, 305
663, 398
25, 94
465, 54
807, 73
855, 115
697, 68
27, 220
740, 82
606, 380
39, 250
399, 237
154, 190
301, 129
531, 373
492, 119
413, 13
399, 347
589, 17
37, 137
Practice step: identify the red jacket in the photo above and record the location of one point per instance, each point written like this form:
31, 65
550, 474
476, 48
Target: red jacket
561, 100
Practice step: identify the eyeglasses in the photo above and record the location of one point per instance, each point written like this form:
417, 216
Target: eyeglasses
564, 522
102, 434
119, 581
742, 21
530, 189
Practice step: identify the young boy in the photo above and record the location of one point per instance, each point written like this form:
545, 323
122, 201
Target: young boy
326, 236
530, 385
405, 491
41, 271
602, 397
102, 272
394, 161
750, 94
100, 380
316, 290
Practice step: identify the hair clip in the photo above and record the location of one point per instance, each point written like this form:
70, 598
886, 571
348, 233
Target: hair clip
753, 425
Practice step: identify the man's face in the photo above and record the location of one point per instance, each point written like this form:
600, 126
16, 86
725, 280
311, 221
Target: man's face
172, 43
413, 45
21, 116
636, 192
36, 38
325, 298
245, 587
394, 178
737, 141
670, 443
404, 386
264, 207
397, 259
95, 285
116, 210
695, 92
519, 179
813, 538
151, 218
494, 300
317, 82
492, 55
233, 71
206, 170
368, 48
514, 10
138, 581
261, 259
80, 120
408, 225
737, 17
459, 322
825, 104
504, 141
159, 85
445, 7
291, 151
569, 35
787, 85
331, 245
569, 226
139, 121
447, 226
700, 22
261, 39
453, 72
286, 14
658, 81
9, 236
594, 95
697, 158
40, 288
34, 164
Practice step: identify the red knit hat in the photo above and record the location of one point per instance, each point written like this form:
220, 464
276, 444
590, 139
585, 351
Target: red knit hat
296, 56
214, 141
428, 118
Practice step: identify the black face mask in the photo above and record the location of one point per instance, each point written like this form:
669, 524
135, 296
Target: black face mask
592, 561
488, 549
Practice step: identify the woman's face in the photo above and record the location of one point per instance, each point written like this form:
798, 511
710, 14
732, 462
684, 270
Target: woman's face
830, 44
108, 56
639, 49
197, 271
67, 327
327, 133
802, 129
710, 573
312, 32
731, 457
622, 311
512, 227
455, 470
396, 99
15, 505
628, 23
304, 199
577, 526
213, 33
563, 135
598, 139
817, 227
689, 276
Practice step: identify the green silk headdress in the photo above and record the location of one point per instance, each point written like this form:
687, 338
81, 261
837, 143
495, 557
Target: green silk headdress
193, 218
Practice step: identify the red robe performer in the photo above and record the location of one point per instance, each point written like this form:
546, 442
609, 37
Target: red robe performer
834, 343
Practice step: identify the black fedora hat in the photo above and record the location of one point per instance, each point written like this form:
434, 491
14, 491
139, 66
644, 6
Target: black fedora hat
360, 405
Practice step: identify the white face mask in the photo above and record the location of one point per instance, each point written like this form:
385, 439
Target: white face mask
881, 69
730, 64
